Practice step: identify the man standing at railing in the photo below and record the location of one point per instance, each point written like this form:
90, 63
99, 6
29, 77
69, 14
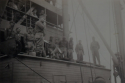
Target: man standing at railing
40, 45
30, 40
33, 13
51, 47
70, 49
63, 44
42, 16
39, 35
79, 51
95, 50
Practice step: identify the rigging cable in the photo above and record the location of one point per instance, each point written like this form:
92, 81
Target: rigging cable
89, 38
74, 16
74, 20
76, 36
115, 35
110, 37
87, 44
110, 29
109, 32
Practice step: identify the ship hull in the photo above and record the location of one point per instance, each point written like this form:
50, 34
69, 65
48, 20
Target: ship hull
55, 71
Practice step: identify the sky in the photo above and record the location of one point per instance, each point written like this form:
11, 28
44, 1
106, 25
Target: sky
102, 13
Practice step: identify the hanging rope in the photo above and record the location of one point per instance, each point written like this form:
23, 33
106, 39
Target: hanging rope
115, 27
87, 44
110, 38
74, 16
74, 21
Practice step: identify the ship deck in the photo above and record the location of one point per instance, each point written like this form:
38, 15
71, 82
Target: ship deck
60, 61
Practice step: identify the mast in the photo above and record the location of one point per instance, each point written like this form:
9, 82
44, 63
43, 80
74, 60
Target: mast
65, 19
120, 31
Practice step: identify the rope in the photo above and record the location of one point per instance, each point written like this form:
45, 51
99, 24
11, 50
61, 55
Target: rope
87, 44
31, 69
89, 36
115, 34
109, 32
115, 27
74, 20
74, 17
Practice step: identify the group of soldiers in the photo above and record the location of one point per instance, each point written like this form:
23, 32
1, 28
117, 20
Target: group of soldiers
65, 48
59, 49
33, 40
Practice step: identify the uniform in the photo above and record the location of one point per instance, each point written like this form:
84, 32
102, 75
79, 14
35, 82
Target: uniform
18, 41
64, 47
70, 50
79, 51
39, 30
30, 40
52, 48
34, 15
40, 46
94, 48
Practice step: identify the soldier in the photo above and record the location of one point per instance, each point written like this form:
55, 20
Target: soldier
42, 16
13, 5
7, 33
63, 44
94, 49
9, 30
57, 50
70, 49
118, 68
39, 27
79, 51
18, 39
18, 34
30, 38
40, 45
39, 36
51, 47
33, 13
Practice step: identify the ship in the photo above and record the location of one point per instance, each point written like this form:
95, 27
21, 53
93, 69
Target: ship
23, 68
